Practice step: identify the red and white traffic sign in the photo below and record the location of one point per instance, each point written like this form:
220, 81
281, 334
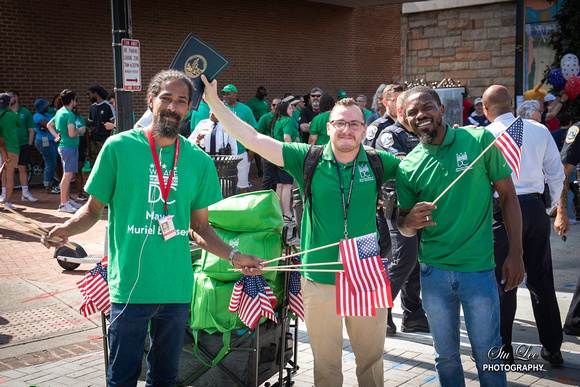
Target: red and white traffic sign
131, 64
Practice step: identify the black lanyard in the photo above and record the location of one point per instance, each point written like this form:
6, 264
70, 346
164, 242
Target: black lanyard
346, 203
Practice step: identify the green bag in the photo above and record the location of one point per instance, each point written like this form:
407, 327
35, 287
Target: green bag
262, 244
254, 211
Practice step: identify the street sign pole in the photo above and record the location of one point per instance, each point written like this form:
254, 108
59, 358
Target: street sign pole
122, 29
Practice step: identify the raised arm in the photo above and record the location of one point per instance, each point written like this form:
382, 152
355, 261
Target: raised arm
241, 131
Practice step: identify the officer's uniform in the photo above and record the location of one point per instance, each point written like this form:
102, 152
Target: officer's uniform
404, 267
571, 155
374, 129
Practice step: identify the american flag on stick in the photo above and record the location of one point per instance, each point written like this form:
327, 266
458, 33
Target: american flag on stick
252, 298
510, 143
95, 290
295, 291
364, 285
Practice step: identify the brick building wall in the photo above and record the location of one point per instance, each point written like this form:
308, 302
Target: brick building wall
473, 45
284, 46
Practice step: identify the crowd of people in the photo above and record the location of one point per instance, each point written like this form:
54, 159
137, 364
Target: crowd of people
470, 249
58, 132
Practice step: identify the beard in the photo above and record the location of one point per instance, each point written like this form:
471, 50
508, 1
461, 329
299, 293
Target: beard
164, 128
428, 136
315, 104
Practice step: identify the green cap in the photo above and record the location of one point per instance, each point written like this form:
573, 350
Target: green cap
229, 88
341, 94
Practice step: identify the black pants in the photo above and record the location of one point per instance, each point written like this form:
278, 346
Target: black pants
573, 316
269, 173
403, 267
539, 277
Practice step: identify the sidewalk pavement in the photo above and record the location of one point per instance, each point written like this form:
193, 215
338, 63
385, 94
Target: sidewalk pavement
44, 341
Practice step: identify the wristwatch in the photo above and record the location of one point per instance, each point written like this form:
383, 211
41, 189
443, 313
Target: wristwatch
231, 256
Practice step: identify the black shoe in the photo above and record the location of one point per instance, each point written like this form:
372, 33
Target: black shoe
391, 327
415, 326
554, 358
507, 354
571, 331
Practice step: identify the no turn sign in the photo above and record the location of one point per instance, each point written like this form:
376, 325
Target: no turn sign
131, 65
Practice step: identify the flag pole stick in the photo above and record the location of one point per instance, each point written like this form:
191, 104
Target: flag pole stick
471, 165
303, 252
24, 217
312, 264
282, 268
29, 233
39, 231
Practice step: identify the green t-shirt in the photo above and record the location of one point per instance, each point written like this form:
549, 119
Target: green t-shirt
79, 123
125, 178
368, 113
264, 123
246, 115
327, 225
462, 240
258, 107
284, 126
9, 124
62, 118
202, 113
26, 121
318, 127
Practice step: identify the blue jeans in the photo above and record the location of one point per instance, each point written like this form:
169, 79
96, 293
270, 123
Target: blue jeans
444, 292
127, 342
49, 154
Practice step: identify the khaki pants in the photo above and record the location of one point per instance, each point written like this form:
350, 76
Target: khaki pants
324, 327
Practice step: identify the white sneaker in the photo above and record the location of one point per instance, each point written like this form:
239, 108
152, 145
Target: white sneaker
27, 197
75, 204
67, 208
573, 221
2, 198
9, 205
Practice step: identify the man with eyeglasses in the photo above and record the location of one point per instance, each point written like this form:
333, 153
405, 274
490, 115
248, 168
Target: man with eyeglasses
361, 101
344, 195
390, 94
309, 112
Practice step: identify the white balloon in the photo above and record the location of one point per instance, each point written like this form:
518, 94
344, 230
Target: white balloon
568, 59
570, 70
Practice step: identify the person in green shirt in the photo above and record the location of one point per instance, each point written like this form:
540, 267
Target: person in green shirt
456, 248
150, 275
343, 161
230, 96
318, 131
269, 170
361, 100
9, 123
282, 129
63, 127
258, 104
25, 141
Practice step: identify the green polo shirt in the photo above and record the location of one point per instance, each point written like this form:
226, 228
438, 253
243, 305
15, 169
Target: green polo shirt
327, 225
26, 121
246, 115
318, 127
284, 126
202, 113
258, 107
368, 113
264, 123
9, 124
462, 240
62, 118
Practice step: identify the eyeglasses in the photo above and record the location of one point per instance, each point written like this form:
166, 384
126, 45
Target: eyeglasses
274, 104
315, 95
341, 124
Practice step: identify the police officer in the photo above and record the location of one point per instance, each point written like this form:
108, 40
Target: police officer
570, 158
390, 95
398, 139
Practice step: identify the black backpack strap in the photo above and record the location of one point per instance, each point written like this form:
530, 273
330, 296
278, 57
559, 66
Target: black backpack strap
376, 165
3, 113
309, 166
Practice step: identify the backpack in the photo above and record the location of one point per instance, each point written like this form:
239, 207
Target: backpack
311, 161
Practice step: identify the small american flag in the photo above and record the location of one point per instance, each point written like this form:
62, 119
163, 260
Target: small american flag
252, 298
510, 143
95, 290
364, 285
295, 291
